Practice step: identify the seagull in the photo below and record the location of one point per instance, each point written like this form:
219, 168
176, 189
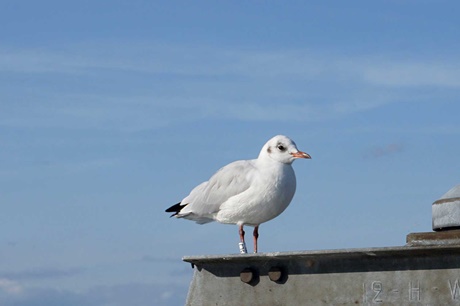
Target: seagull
246, 192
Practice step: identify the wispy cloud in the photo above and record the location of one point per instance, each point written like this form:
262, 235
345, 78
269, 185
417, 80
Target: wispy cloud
58, 166
155, 86
158, 259
40, 273
381, 151
203, 62
10, 286
11, 293
409, 73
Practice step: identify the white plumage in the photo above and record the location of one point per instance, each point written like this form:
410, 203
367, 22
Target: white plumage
246, 192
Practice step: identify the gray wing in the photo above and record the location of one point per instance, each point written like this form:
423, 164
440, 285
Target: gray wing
205, 199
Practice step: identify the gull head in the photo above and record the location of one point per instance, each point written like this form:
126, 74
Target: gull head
282, 149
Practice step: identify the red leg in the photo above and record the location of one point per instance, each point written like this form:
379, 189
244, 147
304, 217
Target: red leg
242, 243
256, 235
241, 231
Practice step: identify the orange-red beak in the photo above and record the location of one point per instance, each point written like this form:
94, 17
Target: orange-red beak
301, 154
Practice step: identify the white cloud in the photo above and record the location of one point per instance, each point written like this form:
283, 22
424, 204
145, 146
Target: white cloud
205, 61
158, 259
384, 150
41, 273
10, 287
156, 86
117, 295
412, 74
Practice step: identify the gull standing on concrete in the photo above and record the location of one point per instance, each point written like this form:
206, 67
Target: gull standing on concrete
246, 192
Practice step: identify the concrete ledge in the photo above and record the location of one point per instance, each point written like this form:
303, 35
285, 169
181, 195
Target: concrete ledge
407, 275
449, 237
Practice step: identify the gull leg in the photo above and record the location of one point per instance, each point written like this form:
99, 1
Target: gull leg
256, 235
242, 244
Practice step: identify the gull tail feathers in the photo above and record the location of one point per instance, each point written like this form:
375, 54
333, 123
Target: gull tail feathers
176, 209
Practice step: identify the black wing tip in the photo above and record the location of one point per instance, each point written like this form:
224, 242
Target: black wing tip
175, 208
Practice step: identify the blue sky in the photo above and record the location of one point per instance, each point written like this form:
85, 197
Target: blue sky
111, 111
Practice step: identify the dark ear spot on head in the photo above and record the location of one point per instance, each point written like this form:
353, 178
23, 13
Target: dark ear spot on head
269, 150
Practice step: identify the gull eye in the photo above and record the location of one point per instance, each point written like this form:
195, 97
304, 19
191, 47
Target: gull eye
281, 147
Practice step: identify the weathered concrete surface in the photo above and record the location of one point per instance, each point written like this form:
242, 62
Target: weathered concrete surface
409, 275
448, 237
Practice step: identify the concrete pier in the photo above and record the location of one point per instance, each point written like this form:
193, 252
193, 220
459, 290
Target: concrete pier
408, 275
426, 271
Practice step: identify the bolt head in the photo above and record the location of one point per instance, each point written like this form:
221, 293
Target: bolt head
247, 275
275, 274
